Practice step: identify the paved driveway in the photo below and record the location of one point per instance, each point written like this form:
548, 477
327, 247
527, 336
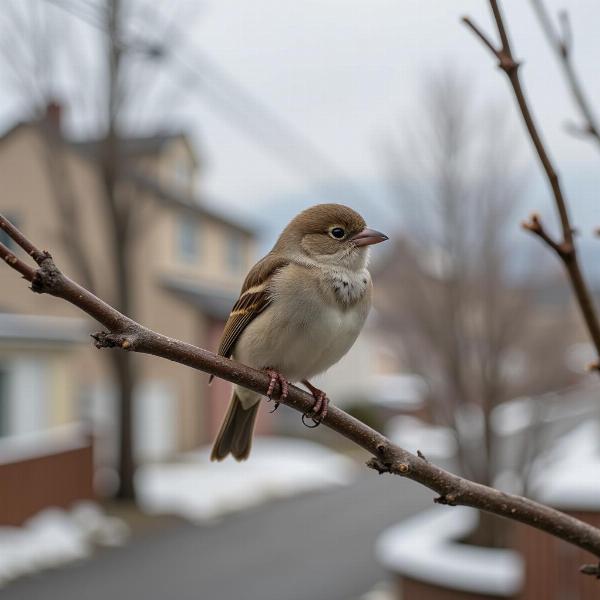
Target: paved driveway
314, 547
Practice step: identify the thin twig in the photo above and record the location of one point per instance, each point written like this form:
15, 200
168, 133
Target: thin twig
17, 264
562, 44
565, 249
535, 226
126, 334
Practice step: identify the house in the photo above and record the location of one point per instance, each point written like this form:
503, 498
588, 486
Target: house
187, 261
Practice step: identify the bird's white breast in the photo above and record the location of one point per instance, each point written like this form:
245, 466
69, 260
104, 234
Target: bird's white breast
312, 322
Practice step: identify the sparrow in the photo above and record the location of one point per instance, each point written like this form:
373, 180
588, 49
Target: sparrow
300, 310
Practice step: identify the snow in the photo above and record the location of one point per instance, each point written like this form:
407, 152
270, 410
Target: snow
423, 548
569, 478
200, 490
32, 444
399, 392
513, 417
54, 537
518, 415
434, 442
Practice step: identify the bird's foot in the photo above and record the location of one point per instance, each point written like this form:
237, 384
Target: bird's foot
320, 407
276, 377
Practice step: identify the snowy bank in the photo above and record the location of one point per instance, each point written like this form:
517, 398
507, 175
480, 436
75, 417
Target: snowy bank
436, 442
424, 548
569, 477
54, 537
199, 490
33, 444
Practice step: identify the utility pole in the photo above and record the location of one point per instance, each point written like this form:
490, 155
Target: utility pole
119, 213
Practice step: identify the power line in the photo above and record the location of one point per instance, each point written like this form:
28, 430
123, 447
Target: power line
226, 96
257, 120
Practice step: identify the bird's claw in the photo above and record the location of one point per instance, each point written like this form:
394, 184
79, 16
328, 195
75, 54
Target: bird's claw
315, 422
276, 377
319, 409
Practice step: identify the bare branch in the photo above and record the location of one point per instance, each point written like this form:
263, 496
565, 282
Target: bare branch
566, 248
20, 240
18, 265
535, 226
482, 36
126, 334
561, 44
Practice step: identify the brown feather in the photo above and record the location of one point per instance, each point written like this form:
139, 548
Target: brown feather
317, 220
249, 305
235, 435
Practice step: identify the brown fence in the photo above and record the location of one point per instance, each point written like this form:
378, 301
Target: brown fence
56, 479
552, 566
411, 589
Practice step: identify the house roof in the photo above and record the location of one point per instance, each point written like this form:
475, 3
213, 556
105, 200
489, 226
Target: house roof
180, 202
136, 146
141, 146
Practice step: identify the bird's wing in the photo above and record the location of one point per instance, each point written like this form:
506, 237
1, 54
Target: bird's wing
254, 298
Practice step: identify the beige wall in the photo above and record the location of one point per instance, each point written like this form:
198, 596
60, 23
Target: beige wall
177, 167
213, 266
26, 194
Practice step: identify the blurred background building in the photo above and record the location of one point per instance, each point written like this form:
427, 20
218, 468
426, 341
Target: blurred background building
187, 265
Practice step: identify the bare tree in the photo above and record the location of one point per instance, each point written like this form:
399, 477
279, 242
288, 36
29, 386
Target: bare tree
455, 297
564, 247
33, 54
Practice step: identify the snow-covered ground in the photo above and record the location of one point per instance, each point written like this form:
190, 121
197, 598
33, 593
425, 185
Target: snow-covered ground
434, 441
199, 490
424, 548
32, 444
54, 537
569, 476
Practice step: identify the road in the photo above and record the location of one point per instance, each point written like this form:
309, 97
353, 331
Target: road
313, 547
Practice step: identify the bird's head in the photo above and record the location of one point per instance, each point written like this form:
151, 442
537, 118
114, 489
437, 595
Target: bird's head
331, 234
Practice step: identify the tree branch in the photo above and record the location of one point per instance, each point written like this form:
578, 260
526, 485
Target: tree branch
561, 44
565, 249
535, 226
124, 333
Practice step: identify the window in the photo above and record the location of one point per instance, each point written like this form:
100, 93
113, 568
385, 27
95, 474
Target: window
235, 253
188, 235
4, 238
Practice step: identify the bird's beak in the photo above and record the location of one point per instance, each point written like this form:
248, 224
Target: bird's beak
368, 236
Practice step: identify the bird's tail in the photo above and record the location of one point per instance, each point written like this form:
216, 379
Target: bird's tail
235, 435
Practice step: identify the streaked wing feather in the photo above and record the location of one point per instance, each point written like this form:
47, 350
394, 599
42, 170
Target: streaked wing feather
250, 303
243, 312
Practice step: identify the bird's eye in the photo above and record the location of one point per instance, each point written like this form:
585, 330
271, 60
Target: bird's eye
338, 233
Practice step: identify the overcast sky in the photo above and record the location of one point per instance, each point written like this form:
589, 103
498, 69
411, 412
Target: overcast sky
344, 73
